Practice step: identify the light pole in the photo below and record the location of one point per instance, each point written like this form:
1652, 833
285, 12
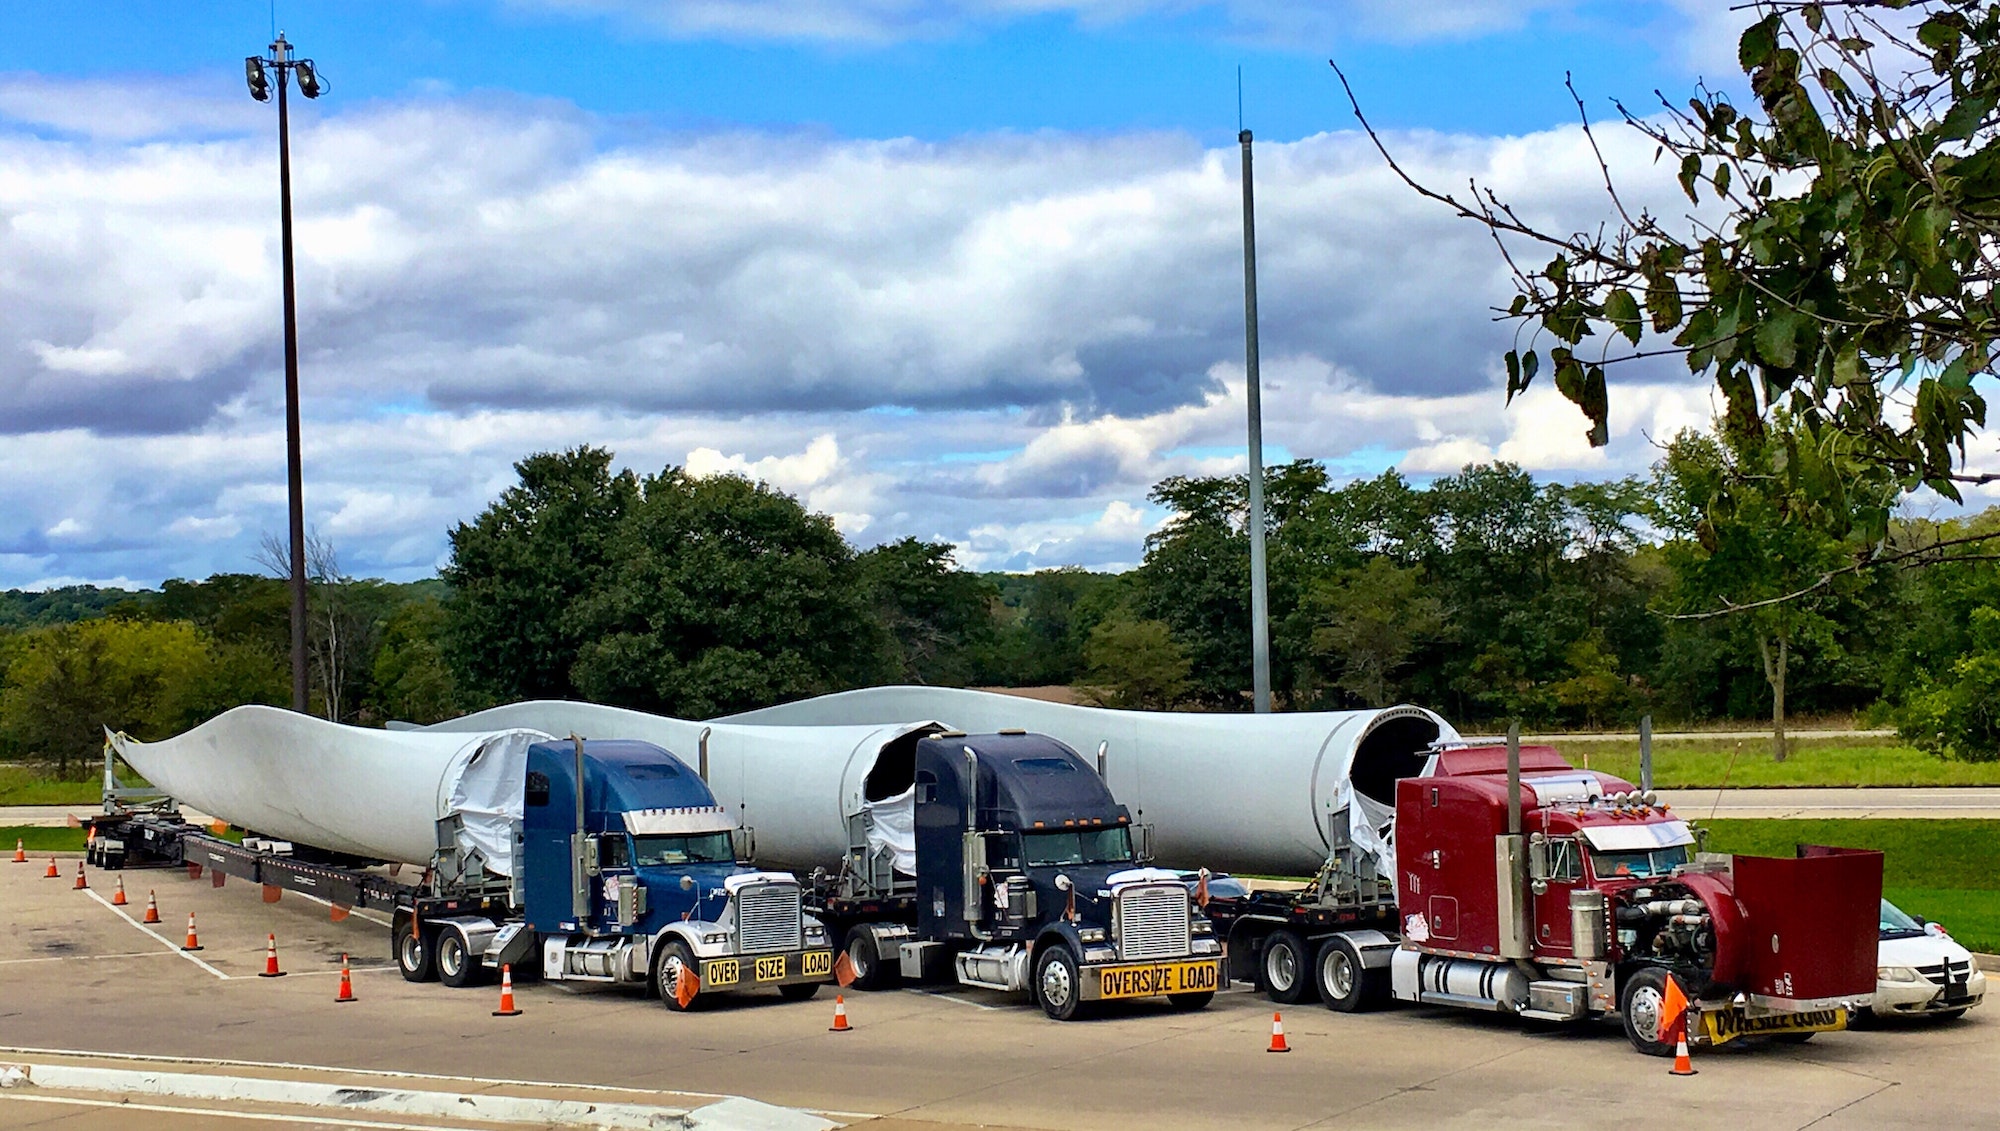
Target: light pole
1260, 608
258, 71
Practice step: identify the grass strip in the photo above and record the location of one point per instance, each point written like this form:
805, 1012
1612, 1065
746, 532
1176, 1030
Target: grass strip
1711, 764
38, 838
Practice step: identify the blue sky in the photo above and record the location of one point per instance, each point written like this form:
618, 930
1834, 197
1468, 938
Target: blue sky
959, 269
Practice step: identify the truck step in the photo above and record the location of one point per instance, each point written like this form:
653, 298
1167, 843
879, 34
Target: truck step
1544, 1015
1463, 1001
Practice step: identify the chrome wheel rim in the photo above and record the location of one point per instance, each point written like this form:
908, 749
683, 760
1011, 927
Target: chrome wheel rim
1056, 985
857, 956
451, 958
412, 952
1281, 968
1339, 973
1646, 1006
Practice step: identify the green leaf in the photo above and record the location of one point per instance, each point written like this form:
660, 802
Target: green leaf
1663, 302
1623, 311
1757, 43
1939, 33
1777, 338
1721, 180
1964, 118
1690, 173
1847, 369
1514, 382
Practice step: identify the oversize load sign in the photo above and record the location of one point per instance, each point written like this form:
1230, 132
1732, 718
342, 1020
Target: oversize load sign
1158, 978
1724, 1025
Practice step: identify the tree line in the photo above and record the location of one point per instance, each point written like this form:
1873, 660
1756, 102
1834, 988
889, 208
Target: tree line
1485, 595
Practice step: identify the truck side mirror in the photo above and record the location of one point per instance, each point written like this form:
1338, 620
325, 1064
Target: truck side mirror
743, 843
1538, 863
1142, 843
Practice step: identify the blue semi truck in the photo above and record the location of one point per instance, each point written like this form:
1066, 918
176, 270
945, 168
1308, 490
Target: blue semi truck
631, 879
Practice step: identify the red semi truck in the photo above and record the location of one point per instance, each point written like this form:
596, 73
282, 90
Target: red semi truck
1527, 886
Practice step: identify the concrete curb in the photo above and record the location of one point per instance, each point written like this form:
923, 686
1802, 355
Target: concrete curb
732, 1113
1990, 962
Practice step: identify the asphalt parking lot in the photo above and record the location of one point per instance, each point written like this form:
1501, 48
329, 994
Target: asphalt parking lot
79, 983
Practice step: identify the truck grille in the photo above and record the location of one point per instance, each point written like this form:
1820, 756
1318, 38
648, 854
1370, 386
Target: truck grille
767, 918
1153, 923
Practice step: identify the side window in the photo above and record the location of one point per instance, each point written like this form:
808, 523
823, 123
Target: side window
1565, 861
926, 787
537, 792
611, 851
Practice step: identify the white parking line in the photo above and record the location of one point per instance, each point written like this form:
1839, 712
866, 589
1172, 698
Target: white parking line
152, 934
351, 911
224, 1113
949, 997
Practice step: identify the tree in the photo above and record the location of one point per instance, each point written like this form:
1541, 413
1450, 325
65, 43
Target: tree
1369, 623
412, 680
933, 616
65, 683
1841, 269
1958, 715
517, 573
721, 595
1135, 665
1746, 547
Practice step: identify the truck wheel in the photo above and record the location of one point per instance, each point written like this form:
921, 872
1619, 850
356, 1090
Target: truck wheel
674, 956
870, 972
457, 966
1287, 976
1345, 985
799, 991
1058, 986
1641, 1006
413, 955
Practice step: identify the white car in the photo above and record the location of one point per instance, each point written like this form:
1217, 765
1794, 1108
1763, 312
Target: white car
1922, 971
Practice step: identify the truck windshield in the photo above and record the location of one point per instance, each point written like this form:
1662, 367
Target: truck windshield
1093, 846
699, 848
1657, 862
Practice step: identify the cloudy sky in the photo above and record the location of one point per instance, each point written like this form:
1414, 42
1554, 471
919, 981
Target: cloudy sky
962, 269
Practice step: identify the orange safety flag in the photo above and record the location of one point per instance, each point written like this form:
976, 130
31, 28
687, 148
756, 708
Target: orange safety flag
1201, 890
72, 821
843, 970
686, 985
1674, 1012
336, 912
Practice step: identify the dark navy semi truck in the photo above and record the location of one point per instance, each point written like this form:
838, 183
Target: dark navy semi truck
1029, 875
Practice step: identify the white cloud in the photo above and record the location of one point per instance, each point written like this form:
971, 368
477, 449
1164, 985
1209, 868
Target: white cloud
1001, 341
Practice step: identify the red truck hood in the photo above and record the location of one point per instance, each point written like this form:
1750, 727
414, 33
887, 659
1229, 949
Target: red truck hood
1795, 934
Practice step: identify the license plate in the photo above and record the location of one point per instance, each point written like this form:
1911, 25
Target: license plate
1151, 979
771, 969
816, 963
722, 972
1724, 1025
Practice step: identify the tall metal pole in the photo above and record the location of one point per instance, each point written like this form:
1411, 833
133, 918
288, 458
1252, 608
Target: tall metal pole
1260, 613
293, 471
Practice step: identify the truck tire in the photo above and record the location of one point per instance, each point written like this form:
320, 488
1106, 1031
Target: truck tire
1344, 984
413, 954
1286, 969
865, 955
1641, 1004
799, 991
1058, 985
672, 957
457, 966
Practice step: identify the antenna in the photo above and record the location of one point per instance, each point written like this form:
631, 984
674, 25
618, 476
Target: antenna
274, 32
1239, 92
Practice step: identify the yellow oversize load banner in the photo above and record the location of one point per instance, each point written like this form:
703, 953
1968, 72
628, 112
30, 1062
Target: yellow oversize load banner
1148, 979
1724, 1025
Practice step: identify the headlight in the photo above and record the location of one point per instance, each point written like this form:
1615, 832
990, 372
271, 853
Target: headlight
715, 938
1895, 974
1091, 934
1203, 927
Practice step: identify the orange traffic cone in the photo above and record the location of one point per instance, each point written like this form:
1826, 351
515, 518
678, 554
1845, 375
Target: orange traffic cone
20, 851
118, 896
152, 908
840, 1024
53, 873
81, 883
507, 994
192, 943
346, 982
271, 958
1683, 1066
1278, 1035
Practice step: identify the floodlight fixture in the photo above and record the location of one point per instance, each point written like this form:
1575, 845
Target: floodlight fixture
309, 84
253, 73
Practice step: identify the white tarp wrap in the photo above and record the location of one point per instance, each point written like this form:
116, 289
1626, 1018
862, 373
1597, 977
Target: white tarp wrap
371, 793
892, 824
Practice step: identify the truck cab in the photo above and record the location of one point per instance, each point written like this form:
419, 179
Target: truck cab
636, 879
1029, 875
1565, 894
